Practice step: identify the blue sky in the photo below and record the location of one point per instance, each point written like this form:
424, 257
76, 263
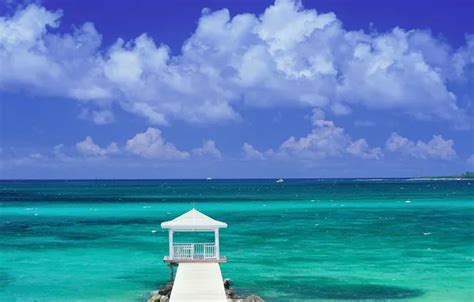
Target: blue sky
230, 89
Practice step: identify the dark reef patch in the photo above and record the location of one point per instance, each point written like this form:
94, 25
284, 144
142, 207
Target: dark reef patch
332, 289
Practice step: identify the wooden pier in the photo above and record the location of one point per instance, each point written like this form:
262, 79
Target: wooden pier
198, 282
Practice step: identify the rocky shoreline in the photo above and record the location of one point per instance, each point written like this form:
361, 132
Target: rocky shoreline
164, 293
232, 295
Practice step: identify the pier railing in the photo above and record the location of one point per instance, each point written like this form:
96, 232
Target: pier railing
194, 251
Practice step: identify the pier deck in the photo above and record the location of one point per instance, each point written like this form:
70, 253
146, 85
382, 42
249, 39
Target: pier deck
198, 281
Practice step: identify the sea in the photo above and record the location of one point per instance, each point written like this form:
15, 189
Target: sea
296, 240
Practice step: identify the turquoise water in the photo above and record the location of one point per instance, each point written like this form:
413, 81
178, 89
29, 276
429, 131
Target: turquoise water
301, 240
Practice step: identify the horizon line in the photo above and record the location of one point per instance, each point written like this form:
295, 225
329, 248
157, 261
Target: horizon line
224, 178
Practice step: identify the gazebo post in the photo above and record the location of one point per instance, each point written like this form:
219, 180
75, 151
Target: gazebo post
216, 242
170, 239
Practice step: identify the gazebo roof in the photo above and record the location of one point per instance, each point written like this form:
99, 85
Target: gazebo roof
193, 220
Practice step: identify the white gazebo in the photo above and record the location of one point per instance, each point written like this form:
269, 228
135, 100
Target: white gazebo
193, 221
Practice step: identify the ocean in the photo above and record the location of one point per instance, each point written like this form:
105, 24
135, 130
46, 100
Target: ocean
299, 240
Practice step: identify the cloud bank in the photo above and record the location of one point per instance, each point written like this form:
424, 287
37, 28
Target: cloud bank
436, 148
326, 140
288, 55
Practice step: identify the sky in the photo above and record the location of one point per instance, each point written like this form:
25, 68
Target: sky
235, 89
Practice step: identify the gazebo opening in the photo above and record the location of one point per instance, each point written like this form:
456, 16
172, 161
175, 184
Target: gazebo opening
192, 237
195, 248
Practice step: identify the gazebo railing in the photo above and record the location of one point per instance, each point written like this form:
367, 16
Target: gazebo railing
194, 251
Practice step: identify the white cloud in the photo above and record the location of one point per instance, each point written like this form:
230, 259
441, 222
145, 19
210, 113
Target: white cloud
250, 153
150, 144
436, 148
208, 148
27, 25
88, 147
288, 55
361, 149
33, 57
326, 140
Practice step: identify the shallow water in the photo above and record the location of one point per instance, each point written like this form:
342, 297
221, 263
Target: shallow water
301, 240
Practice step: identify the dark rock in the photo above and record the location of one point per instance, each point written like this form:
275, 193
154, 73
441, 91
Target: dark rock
226, 283
230, 291
165, 290
232, 294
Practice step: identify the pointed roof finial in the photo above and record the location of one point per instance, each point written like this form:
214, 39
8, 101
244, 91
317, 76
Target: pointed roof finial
193, 220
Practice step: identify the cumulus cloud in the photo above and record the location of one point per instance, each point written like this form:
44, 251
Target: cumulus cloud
150, 144
208, 148
326, 140
88, 147
361, 149
33, 57
436, 148
250, 153
286, 56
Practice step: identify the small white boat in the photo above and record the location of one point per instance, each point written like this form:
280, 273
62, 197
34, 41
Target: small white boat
280, 180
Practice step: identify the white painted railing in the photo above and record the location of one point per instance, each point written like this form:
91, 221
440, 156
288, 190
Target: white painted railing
194, 251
